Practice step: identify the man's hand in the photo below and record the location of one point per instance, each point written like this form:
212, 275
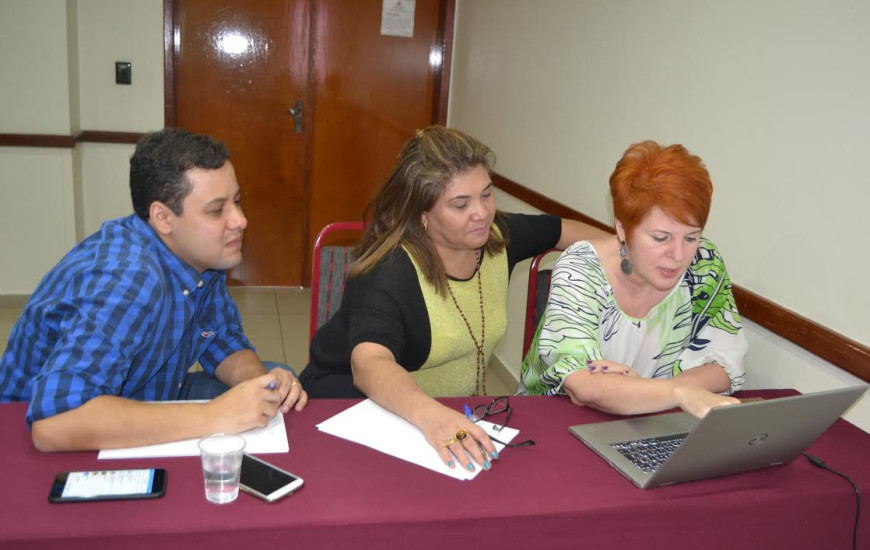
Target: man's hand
290, 389
249, 404
244, 366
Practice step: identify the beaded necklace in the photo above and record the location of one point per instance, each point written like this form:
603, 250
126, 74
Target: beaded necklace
480, 377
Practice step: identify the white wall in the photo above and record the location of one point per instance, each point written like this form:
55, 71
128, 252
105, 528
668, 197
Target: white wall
105, 169
772, 95
34, 97
57, 60
37, 225
121, 30
109, 31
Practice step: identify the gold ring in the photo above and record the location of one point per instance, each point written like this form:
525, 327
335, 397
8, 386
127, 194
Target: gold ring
461, 434
449, 441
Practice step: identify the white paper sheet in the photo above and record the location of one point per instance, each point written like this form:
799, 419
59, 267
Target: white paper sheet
369, 424
271, 439
397, 18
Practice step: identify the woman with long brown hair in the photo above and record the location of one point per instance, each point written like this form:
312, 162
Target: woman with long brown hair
426, 301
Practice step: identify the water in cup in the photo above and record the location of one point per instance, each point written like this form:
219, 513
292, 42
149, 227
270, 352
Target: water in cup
221, 466
221, 481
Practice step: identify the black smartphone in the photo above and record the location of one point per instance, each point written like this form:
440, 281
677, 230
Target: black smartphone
266, 481
108, 485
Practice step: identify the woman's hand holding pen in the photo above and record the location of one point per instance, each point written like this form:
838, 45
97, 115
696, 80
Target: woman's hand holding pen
454, 437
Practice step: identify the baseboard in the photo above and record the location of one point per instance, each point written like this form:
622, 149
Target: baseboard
504, 374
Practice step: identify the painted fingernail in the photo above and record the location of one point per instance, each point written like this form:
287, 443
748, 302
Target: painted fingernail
486, 465
604, 367
589, 361
450, 464
591, 368
495, 454
471, 467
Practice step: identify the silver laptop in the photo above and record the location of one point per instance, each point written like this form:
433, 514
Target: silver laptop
664, 449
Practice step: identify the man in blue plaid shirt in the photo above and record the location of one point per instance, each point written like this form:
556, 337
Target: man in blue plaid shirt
124, 315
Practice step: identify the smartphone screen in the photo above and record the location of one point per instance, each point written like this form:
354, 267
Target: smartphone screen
108, 485
265, 480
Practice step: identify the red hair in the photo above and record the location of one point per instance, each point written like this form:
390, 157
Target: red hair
671, 178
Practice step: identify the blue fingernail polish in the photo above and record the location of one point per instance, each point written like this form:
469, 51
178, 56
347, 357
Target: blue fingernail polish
495, 454
604, 367
591, 368
471, 467
449, 463
486, 465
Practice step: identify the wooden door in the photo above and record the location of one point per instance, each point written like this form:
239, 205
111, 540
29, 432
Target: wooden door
372, 93
239, 65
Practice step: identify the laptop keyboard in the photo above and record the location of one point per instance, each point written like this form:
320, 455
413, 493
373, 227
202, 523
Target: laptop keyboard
649, 454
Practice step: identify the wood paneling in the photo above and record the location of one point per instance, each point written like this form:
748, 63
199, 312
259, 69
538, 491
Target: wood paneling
93, 136
68, 142
37, 140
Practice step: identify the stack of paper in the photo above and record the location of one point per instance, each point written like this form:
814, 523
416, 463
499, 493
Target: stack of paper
271, 439
371, 425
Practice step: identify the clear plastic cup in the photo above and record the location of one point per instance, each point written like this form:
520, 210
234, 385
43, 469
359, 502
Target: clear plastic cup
221, 466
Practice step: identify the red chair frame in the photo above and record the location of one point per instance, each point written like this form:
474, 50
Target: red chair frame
316, 265
532, 300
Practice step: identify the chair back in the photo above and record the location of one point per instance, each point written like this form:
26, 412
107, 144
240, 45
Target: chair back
536, 299
329, 272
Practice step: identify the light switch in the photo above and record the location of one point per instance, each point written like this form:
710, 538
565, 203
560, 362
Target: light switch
123, 72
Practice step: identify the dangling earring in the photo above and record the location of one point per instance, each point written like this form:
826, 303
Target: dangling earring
625, 264
425, 226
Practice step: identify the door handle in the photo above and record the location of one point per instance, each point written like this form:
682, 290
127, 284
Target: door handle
296, 113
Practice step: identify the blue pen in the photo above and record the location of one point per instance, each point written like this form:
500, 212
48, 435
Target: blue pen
467, 412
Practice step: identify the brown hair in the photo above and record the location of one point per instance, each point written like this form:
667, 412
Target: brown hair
671, 178
427, 163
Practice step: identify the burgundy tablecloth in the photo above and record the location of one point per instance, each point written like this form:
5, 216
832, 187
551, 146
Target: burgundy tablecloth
556, 494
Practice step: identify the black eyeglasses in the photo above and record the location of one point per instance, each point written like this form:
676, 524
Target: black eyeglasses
499, 405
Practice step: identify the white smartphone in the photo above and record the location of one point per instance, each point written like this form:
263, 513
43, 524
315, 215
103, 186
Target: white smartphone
108, 485
267, 481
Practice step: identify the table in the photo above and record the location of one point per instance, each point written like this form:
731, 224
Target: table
557, 494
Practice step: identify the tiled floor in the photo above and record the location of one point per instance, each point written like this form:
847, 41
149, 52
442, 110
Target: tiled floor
275, 320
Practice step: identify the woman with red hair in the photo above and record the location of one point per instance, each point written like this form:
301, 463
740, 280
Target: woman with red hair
645, 320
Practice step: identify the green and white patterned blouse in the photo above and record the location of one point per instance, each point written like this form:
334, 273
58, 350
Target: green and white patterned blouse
695, 324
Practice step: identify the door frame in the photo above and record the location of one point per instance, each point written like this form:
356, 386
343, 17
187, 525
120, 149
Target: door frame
441, 85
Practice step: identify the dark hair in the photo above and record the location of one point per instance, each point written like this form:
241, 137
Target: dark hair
671, 178
158, 167
427, 163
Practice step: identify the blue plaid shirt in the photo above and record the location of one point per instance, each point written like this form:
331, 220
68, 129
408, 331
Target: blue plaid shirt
119, 315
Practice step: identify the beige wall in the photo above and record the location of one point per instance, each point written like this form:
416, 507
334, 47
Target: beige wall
34, 96
773, 95
37, 225
104, 170
57, 61
121, 30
